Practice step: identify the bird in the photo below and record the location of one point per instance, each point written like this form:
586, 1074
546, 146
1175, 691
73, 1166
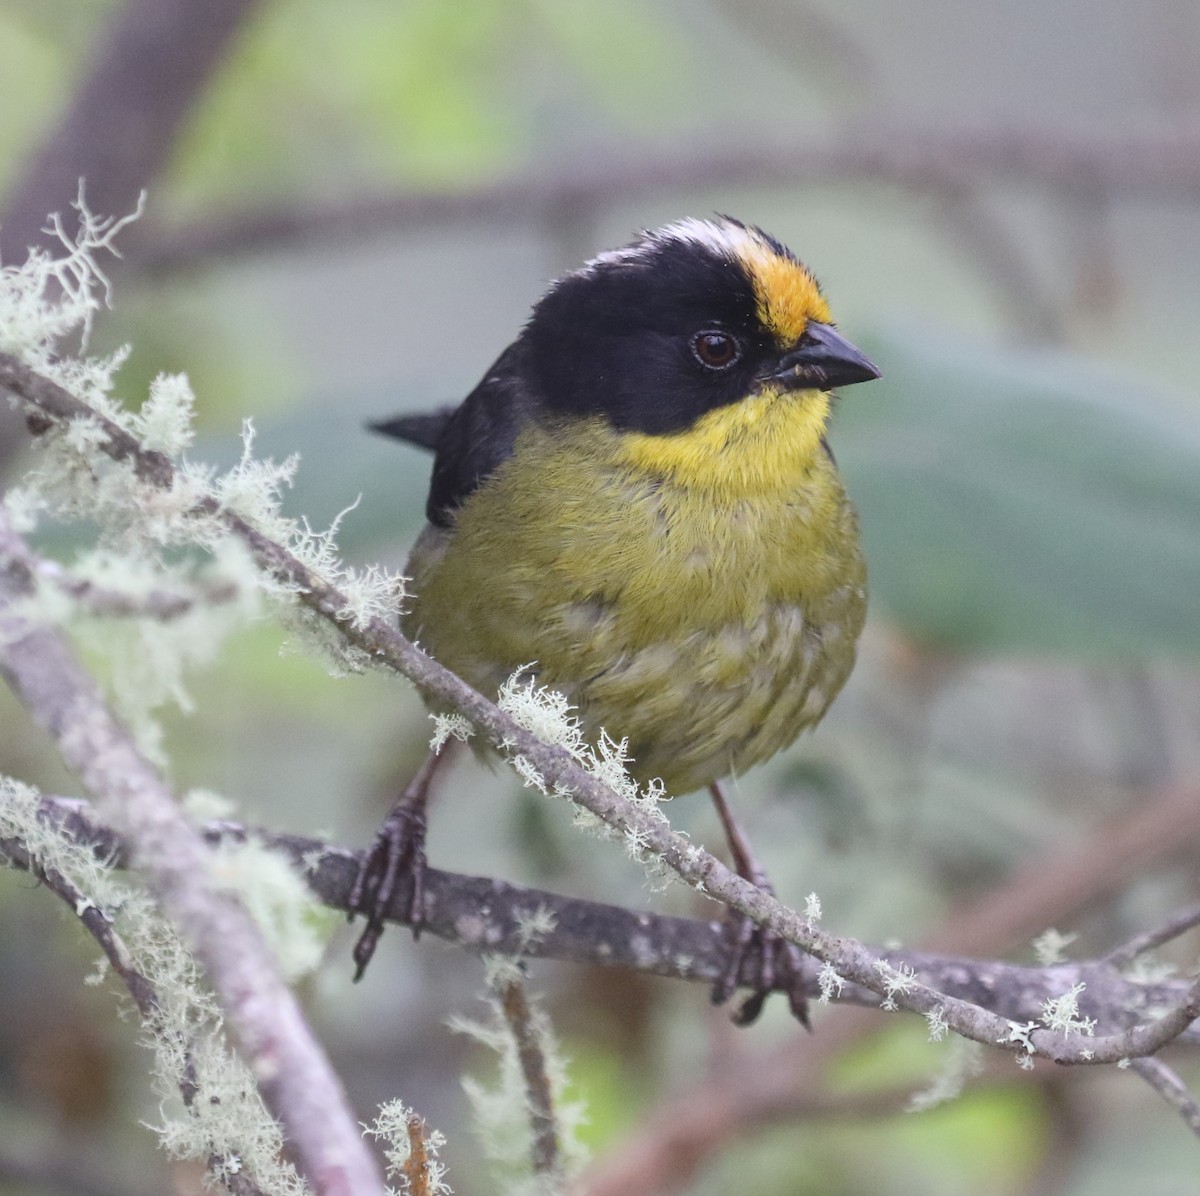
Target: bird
638, 507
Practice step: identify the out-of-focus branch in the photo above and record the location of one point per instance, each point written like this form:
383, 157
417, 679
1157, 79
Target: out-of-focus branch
1171, 1088
1002, 260
162, 605
1165, 166
1153, 826
1179, 923
151, 62
296, 1080
950, 169
539, 1099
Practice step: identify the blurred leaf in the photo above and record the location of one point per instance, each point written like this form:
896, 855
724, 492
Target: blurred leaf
1022, 501
425, 92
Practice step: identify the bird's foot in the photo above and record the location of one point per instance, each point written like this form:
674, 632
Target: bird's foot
397, 853
765, 963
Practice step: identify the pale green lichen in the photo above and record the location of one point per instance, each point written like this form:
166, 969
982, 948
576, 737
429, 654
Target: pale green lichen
397, 1127
225, 1120
964, 1059
1062, 1013
501, 1105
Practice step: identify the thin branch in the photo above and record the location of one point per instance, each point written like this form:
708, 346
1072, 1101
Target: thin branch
151, 61
539, 1099
1179, 923
381, 641
1165, 166
161, 605
1154, 825
296, 1080
1003, 260
1171, 1088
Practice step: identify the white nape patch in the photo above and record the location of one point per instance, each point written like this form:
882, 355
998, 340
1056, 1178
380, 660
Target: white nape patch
720, 237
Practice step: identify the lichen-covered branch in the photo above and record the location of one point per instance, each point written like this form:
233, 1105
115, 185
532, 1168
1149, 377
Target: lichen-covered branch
98, 924
539, 1099
491, 916
297, 1081
378, 639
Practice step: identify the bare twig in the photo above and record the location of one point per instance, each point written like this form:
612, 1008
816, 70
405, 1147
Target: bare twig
1002, 258
1171, 1088
922, 161
1156, 824
539, 1099
296, 1080
1179, 923
151, 62
415, 1168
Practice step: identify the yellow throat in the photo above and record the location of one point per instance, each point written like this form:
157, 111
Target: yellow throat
761, 445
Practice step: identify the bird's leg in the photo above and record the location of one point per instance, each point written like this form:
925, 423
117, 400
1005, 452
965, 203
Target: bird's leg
773, 962
399, 848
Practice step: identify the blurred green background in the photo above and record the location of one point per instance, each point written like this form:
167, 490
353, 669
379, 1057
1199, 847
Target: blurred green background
352, 216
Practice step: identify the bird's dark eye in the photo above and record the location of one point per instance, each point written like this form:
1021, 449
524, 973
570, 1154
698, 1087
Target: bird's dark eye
715, 350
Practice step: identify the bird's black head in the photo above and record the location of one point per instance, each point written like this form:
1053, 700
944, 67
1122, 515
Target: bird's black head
691, 317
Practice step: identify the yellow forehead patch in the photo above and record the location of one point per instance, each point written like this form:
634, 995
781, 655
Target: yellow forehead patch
787, 293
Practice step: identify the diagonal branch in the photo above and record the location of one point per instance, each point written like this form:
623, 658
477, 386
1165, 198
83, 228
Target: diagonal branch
1171, 1088
98, 925
296, 1080
1179, 923
381, 642
151, 62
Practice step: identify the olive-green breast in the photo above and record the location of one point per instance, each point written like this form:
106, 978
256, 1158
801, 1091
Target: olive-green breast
710, 633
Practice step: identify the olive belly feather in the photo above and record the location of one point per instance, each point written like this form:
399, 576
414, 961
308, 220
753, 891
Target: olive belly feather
709, 646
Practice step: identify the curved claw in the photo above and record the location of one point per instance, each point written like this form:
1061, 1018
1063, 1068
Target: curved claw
399, 849
772, 963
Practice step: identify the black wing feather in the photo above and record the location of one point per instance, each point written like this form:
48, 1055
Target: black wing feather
472, 440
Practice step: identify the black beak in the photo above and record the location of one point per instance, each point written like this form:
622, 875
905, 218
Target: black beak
822, 360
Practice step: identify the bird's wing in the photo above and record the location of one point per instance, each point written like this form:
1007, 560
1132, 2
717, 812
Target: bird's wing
471, 440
